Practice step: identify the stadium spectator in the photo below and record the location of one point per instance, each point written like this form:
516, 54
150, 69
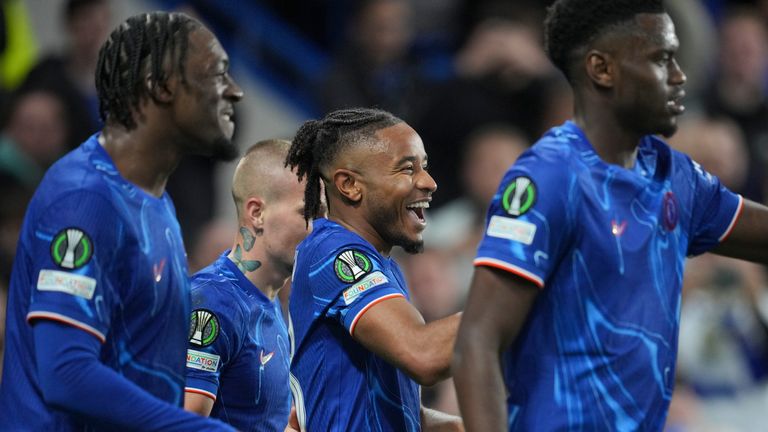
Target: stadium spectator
99, 303
238, 372
375, 68
577, 286
33, 135
356, 335
503, 77
212, 238
457, 226
718, 145
70, 73
739, 90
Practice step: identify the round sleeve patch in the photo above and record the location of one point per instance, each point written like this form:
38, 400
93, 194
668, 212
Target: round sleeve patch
519, 196
71, 248
204, 327
351, 265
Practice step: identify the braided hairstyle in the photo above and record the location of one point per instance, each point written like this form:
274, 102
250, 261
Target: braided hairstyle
142, 45
318, 142
572, 24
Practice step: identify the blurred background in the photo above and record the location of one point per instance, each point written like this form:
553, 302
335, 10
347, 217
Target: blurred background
471, 77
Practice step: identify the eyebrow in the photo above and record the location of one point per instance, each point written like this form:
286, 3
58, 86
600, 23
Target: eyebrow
413, 159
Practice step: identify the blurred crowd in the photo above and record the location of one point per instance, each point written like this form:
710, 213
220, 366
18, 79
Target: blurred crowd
472, 78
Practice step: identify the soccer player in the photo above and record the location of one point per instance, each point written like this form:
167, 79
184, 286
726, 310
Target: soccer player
360, 346
238, 359
575, 299
99, 305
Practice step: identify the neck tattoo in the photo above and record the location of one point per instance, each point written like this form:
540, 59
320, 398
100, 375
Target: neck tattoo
248, 238
245, 266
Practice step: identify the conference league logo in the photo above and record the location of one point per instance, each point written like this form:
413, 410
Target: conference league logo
71, 248
519, 196
204, 327
351, 265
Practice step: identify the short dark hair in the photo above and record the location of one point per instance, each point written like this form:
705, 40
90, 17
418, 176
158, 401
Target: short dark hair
318, 142
137, 47
573, 24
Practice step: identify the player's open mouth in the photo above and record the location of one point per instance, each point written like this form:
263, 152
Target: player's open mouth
417, 209
675, 104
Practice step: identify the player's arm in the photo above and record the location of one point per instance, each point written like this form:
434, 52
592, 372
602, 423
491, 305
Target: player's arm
197, 403
436, 421
396, 332
749, 237
72, 379
202, 382
497, 307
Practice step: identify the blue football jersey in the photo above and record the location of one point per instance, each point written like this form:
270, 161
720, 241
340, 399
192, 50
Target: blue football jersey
337, 384
607, 246
238, 349
98, 253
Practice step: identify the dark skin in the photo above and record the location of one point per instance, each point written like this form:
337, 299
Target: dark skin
627, 85
166, 129
369, 181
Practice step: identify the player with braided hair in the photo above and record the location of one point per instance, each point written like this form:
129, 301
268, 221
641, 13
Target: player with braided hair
99, 302
360, 346
573, 314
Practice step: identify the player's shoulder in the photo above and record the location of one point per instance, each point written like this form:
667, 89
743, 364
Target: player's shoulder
557, 146
329, 238
550, 160
77, 175
214, 281
217, 296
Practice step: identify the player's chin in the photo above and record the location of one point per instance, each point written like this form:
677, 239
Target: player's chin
414, 244
668, 129
224, 149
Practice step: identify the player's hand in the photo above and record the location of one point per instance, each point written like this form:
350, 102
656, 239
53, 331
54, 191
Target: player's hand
293, 422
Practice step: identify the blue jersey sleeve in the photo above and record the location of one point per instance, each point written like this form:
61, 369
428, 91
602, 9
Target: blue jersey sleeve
714, 213
72, 378
353, 279
530, 218
76, 277
215, 335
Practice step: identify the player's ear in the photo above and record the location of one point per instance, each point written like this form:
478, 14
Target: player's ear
348, 185
254, 213
160, 92
600, 68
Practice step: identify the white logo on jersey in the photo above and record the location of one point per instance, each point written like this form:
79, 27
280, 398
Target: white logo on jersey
73, 239
521, 185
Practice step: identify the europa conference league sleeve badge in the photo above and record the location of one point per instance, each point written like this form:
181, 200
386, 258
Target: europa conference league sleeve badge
204, 327
71, 248
351, 265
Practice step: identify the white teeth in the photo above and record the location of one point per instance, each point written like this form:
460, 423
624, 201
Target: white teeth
423, 204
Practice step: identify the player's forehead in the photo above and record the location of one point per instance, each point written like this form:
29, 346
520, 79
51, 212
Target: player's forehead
204, 51
647, 32
400, 141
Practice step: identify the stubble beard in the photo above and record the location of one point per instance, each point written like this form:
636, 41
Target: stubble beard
224, 150
382, 219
